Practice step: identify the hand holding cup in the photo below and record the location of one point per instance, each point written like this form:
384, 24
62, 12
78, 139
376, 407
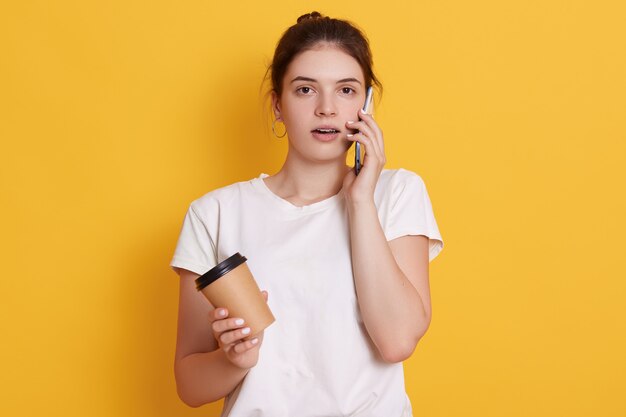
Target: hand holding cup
231, 335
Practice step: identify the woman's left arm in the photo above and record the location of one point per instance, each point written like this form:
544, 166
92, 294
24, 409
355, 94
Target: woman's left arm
391, 278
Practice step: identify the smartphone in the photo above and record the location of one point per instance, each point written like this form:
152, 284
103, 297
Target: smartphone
357, 150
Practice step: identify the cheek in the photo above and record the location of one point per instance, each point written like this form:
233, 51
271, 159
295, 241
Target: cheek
352, 108
352, 113
296, 113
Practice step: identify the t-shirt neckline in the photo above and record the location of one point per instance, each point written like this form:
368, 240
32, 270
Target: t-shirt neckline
260, 185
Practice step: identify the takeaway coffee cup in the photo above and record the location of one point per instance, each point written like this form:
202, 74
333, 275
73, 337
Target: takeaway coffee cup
230, 284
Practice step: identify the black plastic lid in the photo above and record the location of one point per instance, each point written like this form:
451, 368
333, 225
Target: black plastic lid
219, 270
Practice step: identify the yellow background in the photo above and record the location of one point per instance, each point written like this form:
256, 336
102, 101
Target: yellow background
115, 115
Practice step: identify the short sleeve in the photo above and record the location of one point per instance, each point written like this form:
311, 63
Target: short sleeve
195, 250
411, 213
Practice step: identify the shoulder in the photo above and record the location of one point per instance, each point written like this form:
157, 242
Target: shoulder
399, 174
396, 180
219, 197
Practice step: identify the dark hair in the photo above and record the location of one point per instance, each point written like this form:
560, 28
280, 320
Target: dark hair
313, 28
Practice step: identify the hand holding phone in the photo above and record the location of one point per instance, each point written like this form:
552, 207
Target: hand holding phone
357, 150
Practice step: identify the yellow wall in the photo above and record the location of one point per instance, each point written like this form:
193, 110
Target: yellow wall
114, 115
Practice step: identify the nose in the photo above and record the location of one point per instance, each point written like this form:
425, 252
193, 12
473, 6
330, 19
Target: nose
325, 106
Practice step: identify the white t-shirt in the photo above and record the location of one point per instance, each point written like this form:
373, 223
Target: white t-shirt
317, 358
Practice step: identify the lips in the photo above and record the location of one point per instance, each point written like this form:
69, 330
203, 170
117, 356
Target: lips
326, 130
328, 136
326, 133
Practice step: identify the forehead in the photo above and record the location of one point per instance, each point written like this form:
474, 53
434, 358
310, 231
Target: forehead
324, 63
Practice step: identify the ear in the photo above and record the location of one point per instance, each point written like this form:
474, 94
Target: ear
276, 105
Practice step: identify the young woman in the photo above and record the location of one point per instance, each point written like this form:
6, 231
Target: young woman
342, 258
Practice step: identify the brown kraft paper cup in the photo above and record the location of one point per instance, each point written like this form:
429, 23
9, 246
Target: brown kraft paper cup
230, 285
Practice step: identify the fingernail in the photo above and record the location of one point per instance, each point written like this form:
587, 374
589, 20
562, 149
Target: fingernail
239, 322
254, 341
222, 313
349, 122
350, 135
246, 330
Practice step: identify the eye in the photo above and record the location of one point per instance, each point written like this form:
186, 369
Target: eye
347, 90
304, 90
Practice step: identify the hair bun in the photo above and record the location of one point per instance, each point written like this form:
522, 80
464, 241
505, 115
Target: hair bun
310, 16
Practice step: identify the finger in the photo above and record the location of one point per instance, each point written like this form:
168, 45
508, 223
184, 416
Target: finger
235, 335
220, 326
218, 314
361, 126
368, 119
366, 130
246, 345
371, 150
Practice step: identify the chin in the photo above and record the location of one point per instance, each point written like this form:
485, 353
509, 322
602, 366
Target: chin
323, 157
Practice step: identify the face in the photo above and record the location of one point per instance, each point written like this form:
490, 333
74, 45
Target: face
323, 88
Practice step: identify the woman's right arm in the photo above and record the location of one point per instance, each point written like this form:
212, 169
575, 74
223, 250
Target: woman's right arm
203, 371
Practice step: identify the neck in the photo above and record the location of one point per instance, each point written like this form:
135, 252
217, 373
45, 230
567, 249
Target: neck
308, 181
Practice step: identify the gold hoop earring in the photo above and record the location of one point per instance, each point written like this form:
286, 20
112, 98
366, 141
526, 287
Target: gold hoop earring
274, 130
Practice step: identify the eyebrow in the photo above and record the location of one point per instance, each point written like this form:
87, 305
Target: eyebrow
343, 80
